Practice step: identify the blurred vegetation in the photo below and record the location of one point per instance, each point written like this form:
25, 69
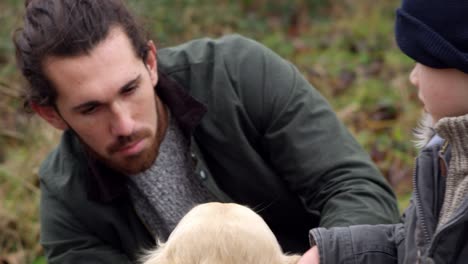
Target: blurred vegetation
344, 47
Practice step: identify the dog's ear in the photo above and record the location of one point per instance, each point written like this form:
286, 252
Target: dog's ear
291, 259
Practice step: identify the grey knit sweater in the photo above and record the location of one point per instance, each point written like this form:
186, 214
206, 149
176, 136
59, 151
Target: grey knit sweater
165, 192
455, 131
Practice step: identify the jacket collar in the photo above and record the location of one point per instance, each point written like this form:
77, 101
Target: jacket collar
104, 184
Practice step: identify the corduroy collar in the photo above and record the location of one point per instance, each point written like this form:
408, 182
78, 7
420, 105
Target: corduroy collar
104, 184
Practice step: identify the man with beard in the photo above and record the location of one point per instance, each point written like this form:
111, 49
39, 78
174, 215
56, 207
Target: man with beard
148, 134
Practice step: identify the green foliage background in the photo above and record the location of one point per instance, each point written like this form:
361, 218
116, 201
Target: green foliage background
344, 47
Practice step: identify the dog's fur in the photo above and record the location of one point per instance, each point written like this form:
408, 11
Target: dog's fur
217, 233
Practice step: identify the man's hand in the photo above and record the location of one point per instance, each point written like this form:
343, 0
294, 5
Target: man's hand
310, 257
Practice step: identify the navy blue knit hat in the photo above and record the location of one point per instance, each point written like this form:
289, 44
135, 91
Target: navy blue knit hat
434, 32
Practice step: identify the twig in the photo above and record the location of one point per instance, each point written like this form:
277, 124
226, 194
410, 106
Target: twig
7, 90
12, 134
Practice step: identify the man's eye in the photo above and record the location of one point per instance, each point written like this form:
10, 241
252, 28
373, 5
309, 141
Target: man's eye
129, 89
89, 110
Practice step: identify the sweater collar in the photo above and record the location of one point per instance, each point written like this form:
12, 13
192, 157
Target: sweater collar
105, 184
455, 131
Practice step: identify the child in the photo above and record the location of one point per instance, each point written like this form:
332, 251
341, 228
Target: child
217, 233
435, 226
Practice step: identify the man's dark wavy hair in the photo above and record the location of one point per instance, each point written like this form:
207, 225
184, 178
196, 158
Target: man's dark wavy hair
67, 28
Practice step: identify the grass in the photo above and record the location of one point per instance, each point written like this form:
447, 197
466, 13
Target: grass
345, 48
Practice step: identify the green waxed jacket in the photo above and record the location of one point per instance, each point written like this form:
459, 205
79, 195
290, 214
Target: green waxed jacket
261, 135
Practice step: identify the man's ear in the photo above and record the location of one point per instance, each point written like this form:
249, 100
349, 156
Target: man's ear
50, 114
152, 63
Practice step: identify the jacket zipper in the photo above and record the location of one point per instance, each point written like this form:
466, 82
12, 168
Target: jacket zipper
443, 171
455, 219
441, 157
418, 205
418, 199
451, 222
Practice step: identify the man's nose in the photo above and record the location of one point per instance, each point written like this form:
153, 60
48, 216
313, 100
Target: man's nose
121, 123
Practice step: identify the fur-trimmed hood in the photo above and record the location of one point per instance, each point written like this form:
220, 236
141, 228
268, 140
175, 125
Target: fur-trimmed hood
424, 131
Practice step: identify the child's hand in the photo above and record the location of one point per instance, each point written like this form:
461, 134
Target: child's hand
310, 257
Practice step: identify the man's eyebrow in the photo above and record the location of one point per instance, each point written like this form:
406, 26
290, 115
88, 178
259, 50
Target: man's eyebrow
95, 102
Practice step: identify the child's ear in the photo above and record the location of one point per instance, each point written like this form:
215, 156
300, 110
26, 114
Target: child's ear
291, 259
49, 114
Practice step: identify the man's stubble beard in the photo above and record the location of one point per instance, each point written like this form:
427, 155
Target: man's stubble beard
129, 165
136, 163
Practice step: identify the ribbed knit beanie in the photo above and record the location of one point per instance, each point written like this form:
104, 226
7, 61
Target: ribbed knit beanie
434, 32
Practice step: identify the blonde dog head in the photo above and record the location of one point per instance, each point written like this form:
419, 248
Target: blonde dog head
217, 233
